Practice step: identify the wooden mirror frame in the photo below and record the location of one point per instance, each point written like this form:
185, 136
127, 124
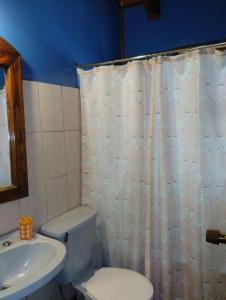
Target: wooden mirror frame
10, 60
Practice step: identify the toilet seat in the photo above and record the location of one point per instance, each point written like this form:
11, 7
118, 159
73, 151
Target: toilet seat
120, 284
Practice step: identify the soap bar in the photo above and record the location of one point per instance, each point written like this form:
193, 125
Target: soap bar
25, 226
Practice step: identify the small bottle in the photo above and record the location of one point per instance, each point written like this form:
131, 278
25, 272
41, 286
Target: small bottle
25, 226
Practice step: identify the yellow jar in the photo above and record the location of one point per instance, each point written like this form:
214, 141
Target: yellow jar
25, 226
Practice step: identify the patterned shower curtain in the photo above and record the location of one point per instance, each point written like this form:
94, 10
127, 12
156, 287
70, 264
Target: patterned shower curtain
154, 165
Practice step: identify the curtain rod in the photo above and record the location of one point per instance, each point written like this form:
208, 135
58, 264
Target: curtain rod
174, 51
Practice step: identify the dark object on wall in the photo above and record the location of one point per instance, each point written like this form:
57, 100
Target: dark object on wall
129, 2
215, 237
10, 60
152, 7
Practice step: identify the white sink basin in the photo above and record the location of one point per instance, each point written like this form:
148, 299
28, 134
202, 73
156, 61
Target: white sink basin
25, 266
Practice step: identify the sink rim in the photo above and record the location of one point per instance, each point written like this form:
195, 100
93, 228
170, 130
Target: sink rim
27, 286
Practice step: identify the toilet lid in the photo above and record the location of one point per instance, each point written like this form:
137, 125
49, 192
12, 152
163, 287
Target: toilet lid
120, 284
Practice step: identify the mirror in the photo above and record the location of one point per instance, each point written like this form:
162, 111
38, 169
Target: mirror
5, 164
13, 164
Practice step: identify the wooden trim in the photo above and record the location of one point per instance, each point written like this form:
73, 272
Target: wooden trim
10, 60
153, 8
119, 3
130, 3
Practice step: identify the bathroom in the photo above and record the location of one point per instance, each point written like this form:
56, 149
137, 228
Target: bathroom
69, 164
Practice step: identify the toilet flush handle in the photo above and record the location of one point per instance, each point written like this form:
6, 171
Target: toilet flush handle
66, 237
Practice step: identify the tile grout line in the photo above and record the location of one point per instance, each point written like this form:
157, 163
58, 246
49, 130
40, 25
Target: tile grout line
43, 158
80, 171
49, 131
65, 149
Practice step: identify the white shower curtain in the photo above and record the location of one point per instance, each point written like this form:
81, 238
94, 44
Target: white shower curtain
154, 164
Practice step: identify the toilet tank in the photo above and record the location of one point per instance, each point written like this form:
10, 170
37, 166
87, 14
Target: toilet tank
77, 230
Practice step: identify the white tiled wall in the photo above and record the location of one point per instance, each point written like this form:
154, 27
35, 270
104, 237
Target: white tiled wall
52, 119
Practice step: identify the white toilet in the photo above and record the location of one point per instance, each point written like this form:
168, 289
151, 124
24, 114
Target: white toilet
77, 230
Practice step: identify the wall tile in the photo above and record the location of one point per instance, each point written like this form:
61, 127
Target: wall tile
56, 197
35, 161
35, 205
73, 150
54, 154
71, 108
31, 106
54, 182
9, 216
51, 107
74, 189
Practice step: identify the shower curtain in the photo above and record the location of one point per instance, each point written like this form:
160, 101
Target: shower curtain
154, 165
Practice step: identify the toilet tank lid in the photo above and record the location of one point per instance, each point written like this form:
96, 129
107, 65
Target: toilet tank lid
68, 222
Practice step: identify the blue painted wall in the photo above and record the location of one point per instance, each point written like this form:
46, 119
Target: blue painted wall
182, 22
53, 35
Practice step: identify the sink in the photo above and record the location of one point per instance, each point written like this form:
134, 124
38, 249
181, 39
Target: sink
25, 266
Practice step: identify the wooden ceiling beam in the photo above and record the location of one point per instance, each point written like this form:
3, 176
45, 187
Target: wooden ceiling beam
125, 3
153, 8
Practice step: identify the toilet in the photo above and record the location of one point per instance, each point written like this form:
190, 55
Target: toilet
77, 230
